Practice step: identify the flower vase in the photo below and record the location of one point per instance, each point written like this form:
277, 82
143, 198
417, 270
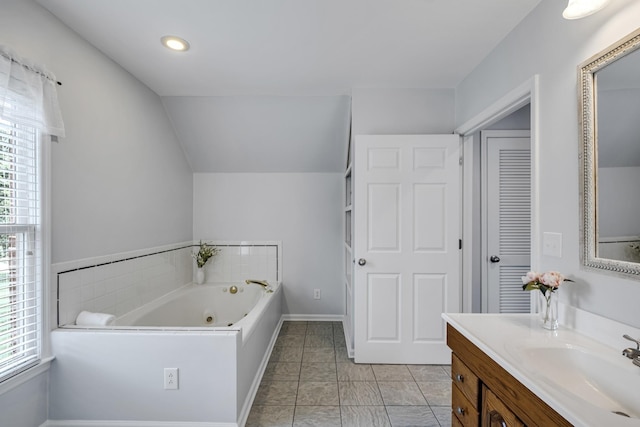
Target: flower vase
548, 310
200, 276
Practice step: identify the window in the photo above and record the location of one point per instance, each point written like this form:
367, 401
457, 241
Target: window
20, 249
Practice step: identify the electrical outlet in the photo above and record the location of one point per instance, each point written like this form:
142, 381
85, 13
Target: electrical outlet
316, 294
170, 378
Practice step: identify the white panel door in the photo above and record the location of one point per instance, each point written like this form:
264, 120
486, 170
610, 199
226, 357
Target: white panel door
508, 220
406, 230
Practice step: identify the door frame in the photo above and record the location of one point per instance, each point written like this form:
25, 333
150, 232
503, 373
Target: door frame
526, 93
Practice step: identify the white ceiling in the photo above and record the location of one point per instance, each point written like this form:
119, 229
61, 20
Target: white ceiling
294, 47
262, 87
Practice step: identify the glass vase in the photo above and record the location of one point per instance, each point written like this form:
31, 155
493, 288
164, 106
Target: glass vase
548, 310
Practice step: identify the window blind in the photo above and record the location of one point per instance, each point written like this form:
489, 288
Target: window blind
20, 249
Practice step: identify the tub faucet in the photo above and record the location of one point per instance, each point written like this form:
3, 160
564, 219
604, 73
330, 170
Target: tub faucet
262, 283
632, 353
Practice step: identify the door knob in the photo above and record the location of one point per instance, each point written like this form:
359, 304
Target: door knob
362, 261
494, 258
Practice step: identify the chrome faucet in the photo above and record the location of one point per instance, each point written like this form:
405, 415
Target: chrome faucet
262, 283
632, 353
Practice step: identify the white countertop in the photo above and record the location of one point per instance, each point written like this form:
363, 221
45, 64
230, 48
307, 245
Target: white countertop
505, 338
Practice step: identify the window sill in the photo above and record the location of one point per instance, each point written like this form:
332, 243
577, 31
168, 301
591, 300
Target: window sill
25, 376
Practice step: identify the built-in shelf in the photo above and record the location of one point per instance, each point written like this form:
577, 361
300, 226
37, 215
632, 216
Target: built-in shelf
348, 257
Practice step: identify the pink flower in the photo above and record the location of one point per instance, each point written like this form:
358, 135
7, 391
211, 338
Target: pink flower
552, 279
531, 276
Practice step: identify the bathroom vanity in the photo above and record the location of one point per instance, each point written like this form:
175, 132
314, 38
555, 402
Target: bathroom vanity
508, 371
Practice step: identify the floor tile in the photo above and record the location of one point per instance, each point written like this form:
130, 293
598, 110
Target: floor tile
318, 393
412, 416
430, 372
282, 371
358, 393
392, 373
321, 328
319, 341
318, 354
293, 328
317, 416
277, 393
286, 354
342, 355
438, 393
290, 340
349, 371
318, 372
401, 393
310, 381
360, 416
270, 416
443, 414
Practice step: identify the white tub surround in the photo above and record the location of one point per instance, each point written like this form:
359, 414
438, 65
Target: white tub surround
527, 352
118, 283
114, 377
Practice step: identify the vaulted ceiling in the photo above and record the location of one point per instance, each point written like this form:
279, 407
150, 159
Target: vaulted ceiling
311, 49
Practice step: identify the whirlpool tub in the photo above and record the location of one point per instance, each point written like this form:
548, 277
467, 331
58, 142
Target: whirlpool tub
218, 340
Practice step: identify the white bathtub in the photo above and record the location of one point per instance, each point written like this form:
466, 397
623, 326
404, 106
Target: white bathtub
207, 305
219, 366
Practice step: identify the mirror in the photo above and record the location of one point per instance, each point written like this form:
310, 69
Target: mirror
609, 85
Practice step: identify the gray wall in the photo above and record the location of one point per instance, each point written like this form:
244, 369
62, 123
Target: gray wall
546, 44
303, 210
119, 180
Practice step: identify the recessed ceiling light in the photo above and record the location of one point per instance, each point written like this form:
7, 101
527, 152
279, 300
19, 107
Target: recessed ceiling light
175, 43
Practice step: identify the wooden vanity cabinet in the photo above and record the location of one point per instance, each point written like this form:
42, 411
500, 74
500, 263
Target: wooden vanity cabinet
485, 394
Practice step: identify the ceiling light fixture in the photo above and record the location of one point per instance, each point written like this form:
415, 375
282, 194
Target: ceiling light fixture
175, 43
577, 9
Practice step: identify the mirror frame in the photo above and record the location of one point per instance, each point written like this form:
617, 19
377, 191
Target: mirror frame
589, 155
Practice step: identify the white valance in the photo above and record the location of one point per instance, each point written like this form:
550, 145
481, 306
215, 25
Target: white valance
28, 95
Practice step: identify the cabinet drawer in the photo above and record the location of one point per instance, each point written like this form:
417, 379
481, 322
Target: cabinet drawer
455, 422
462, 409
465, 380
495, 412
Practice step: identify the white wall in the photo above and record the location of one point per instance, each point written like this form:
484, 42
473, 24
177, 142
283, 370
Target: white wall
546, 44
26, 404
303, 210
402, 111
119, 180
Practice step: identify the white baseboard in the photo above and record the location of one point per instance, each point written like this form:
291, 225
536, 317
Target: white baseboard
105, 423
313, 317
246, 409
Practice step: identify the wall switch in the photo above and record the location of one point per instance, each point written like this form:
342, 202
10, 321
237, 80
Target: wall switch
316, 294
170, 378
552, 244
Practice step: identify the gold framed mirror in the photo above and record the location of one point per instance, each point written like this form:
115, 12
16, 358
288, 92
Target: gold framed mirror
609, 108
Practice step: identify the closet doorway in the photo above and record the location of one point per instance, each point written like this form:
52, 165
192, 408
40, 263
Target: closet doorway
505, 218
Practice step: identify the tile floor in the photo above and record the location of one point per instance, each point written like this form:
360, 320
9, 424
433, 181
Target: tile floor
310, 381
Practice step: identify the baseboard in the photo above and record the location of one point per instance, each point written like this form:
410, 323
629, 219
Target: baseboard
104, 423
246, 409
313, 317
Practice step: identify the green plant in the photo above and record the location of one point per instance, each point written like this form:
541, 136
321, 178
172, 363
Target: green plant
204, 254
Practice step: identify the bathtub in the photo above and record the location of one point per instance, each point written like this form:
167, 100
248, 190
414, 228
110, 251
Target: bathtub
220, 342
207, 305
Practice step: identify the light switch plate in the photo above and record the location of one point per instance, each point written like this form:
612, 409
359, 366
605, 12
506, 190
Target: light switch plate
552, 244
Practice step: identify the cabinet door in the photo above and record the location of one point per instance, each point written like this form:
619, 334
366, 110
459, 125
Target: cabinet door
495, 413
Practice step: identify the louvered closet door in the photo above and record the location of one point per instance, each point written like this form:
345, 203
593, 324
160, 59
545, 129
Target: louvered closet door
508, 222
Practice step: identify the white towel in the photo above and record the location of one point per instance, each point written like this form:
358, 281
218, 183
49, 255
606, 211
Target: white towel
87, 318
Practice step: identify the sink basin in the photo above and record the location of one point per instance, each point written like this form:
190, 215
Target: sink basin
603, 379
